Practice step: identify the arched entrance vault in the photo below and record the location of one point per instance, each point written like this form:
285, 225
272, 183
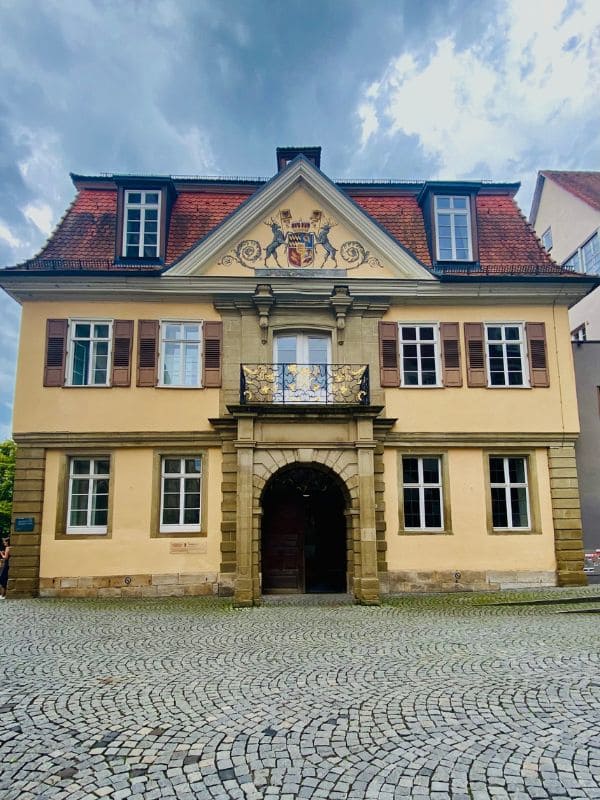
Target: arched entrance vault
304, 546
348, 473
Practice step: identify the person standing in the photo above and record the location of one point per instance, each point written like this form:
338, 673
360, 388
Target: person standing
5, 555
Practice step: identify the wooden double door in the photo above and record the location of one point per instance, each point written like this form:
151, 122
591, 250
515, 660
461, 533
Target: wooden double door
303, 543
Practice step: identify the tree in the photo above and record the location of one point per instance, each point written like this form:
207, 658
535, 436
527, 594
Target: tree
8, 453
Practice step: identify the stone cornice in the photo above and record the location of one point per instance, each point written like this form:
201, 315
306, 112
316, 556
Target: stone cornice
379, 292
67, 439
513, 439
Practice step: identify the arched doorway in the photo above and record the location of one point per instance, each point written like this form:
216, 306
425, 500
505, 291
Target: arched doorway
303, 537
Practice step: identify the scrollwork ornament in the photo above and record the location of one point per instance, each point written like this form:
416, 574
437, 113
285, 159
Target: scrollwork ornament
248, 250
246, 253
353, 252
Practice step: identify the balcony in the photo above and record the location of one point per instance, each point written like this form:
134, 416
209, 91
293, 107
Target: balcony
319, 384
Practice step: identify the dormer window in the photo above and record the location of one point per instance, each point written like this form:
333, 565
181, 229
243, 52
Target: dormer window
141, 224
453, 228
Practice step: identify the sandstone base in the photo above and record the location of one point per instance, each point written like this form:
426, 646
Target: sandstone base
467, 581
157, 585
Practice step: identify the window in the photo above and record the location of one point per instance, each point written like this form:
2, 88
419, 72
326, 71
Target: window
419, 355
180, 502
590, 255
505, 348
580, 333
302, 361
89, 352
573, 262
180, 353
510, 492
88, 495
453, 228
422, 493
587, 257
547, 239
140, 225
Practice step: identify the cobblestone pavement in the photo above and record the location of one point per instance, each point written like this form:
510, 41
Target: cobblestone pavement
440, 697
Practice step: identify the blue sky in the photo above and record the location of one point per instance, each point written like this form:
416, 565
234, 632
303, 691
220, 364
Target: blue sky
389, 88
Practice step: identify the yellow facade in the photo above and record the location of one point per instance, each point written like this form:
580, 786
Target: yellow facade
248, 451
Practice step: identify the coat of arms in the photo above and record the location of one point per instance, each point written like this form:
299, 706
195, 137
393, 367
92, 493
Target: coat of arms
300, 243
300, 238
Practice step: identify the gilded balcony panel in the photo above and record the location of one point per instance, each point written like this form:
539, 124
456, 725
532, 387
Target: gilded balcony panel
331, 384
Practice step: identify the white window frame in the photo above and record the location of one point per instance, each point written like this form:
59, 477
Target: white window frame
92, 477
180, 527
436, 354
507, 486
421, 486
143, 206
302, 350
453, 212
71, 352
522, 342
162, 349
580, 258
584, 265
302, 340
546, 239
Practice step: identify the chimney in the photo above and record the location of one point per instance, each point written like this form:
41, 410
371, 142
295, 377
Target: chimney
286, 154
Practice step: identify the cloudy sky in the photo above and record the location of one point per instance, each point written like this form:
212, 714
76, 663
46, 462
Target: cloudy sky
389, 88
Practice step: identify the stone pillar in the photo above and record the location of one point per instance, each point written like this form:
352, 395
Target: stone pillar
366, 586
243, 588
28, 498
566, 514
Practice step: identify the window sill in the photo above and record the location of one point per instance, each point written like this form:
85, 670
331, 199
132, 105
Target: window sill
424, 532
87, 386
176, 386
422, 386
85, 533
514, 532
489, 386
179, 533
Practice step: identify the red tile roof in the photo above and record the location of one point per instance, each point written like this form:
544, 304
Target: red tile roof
85, 237
402, 217
505, 238
194, 214
584, 185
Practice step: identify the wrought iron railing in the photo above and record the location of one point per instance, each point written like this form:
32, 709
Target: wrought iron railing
332, 384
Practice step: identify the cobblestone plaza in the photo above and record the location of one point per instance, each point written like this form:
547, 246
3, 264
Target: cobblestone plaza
450, 696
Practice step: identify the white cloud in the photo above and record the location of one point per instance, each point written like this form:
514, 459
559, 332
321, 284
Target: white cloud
369, 122
41, 215
529, 83
8, 236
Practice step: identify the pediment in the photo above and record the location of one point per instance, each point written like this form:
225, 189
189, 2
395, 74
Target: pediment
300, 224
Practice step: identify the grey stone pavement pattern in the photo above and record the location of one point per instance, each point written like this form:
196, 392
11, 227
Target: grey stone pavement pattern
439, 697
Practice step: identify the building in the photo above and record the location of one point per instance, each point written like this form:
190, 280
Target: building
566, 215
295, 385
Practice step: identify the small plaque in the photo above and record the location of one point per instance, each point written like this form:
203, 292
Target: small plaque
24, 524
185, 548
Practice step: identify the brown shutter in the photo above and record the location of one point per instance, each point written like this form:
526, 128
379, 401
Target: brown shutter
122, 341
147, 367
388, 354
212, 333
475, 344
450, 337
538, 361
56, 352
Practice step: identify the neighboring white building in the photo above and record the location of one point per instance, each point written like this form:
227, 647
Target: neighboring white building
565, 214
